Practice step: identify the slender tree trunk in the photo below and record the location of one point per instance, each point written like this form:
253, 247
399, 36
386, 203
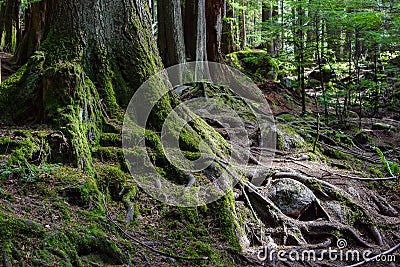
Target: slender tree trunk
268, 13
152, 6
299, 46
319, 52
243, 30
170, 32
282, 21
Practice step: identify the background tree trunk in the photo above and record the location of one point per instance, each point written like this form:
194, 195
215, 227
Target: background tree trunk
214, 15
34, 27
9, 20
267, 15
243, 30
170, 32
230, 34
190, 28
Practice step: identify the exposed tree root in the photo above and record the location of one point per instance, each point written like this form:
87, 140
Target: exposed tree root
145, 245
393, 249
368, 179
349, 152
297, 231
384, 207
273, 214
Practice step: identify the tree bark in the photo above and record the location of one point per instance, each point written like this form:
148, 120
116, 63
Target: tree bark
93, 54
170, 32
34, 27
243, 30
229, 42
190, 28
214, 15
9, 17
267, 14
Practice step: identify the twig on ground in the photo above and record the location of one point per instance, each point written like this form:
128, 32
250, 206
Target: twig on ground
72, 185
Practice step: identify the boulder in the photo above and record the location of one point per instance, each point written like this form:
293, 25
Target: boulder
287, 82
316, 75
288, 139
292, 197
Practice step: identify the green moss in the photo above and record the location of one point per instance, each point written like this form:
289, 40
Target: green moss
258, 64
60, 48
334, 153
82, 194
314, 184
110, 139
11, 228
24, 152
112, 155
223, 210
76, 187
288, 138
7, 145
113, 180
21, 87
357, 214
376, 171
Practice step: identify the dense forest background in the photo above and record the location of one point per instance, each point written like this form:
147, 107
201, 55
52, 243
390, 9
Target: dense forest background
329, 72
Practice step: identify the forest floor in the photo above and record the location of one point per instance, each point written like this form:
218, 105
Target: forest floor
54, 219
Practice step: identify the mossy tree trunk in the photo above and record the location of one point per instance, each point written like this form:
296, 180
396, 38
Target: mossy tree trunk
93, 57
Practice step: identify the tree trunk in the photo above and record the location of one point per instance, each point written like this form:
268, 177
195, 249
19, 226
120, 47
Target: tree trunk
243, 30
34, 27
268, 13
9, 18
190, 28
299, 46
214, 13
229, 42
93, 57
170, 32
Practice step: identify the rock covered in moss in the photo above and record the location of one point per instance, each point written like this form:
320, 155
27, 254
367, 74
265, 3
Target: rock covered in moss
288, 139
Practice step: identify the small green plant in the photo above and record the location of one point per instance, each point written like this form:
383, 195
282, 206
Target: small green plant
27, 172
391, 167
